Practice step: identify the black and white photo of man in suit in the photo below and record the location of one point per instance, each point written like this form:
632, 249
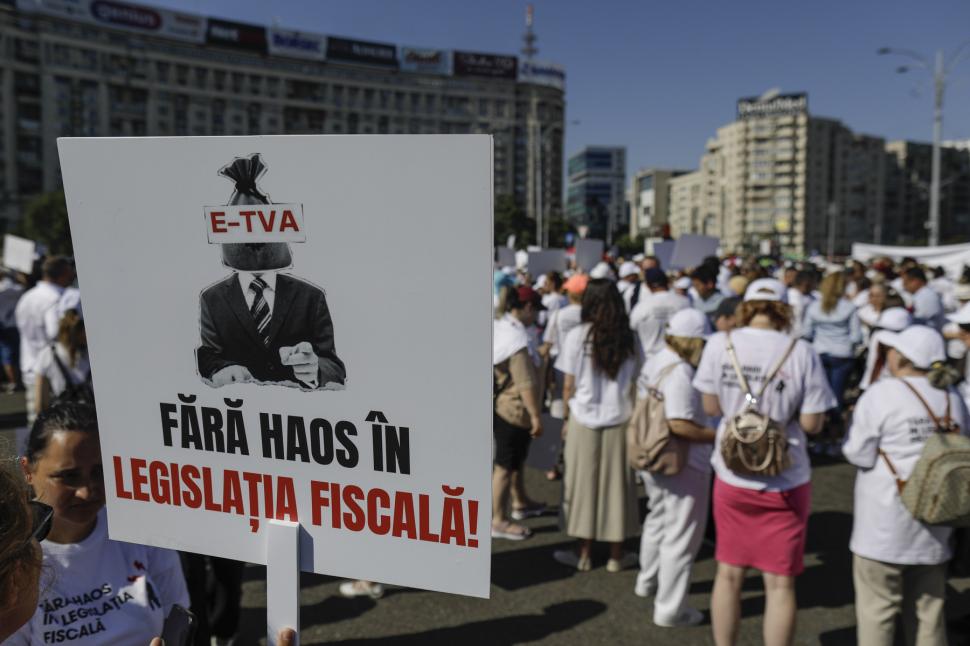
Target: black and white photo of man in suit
261, 325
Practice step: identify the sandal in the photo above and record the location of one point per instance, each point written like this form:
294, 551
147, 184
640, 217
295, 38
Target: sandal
510, 531
531, 510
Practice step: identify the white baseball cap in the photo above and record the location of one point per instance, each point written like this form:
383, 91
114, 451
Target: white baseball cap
767, 289
896, 319
601, 270
629, 269
920, 344
689, 323
961, 316
682, 283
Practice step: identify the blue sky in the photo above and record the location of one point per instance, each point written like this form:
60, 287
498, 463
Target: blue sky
660, 77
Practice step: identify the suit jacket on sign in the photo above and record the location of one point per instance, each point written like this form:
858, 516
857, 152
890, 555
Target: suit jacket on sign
229, 335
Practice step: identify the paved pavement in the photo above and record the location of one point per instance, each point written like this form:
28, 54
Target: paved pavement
537, 601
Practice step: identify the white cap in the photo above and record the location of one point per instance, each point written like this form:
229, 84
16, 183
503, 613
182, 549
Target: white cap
638, 258
601, 270
767, 289
689, 323
629, 269
920, 344
682, 283
541, 282
508, 270
961, 316
896, 319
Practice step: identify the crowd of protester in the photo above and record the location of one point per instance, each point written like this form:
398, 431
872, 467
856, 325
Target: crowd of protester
855, 362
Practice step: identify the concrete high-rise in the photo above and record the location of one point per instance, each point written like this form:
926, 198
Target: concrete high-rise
650, 201
596, 191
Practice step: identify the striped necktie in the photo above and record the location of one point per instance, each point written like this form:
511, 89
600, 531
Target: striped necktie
260, 308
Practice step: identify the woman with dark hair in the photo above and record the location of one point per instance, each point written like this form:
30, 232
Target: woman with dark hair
600, 360
115, 592
517, 413
23, 524
761, 520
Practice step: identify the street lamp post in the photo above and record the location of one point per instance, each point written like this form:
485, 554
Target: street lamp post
940, 69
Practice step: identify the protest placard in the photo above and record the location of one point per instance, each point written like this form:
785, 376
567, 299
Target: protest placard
588, 253
663, 251
302, 373
18, 253
691, 250
541, 262
505, 257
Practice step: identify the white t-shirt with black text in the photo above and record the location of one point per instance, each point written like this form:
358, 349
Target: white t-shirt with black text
101, 592
889, 417
681, 400
650, 315
799, 387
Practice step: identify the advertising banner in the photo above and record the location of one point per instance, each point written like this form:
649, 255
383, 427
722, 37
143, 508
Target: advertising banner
542, 74
426, 61
487, 65
261, 377
296, 44
18, 253
360, 51
772, 105
227, 33
588, 253
136, 18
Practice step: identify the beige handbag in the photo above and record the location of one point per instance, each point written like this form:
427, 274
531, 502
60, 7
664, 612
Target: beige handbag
650, 444
753, 443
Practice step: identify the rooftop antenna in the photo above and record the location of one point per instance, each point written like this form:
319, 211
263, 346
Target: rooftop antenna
529, 49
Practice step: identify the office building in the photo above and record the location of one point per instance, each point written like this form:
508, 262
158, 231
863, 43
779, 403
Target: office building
596, 192
89, 68
650, 201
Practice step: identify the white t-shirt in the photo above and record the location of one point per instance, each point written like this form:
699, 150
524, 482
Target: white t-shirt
560, 323
37, 322
889, 417
103, 592
552, 302
799, 387
599, 401
649, 318
508, 337
799, 303
47, 367
928, 308
681, 401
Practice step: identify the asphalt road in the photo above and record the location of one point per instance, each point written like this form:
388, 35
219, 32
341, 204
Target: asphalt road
534, 600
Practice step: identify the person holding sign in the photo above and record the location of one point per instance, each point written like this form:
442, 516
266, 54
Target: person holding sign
100, 591
257, 324
517, 415
599, 359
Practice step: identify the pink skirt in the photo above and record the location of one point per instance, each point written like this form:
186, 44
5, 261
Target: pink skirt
762, 529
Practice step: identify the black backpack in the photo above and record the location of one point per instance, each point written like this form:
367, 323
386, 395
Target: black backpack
78, 393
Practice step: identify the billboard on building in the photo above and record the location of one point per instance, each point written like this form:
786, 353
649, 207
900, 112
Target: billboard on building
487, 65
426, 61
541, 73
296, 44
227, 33
360, 51
140, 19
772, 105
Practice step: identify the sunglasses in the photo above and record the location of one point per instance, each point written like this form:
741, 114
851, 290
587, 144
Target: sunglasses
43, 519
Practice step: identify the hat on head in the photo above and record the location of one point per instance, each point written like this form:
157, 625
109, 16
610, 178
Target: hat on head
601, 270
682, 283
629, 269
541, 282
638, 258
576, 284
766, 289
895, 319
689, 323
961, 316
920, 344
528, 295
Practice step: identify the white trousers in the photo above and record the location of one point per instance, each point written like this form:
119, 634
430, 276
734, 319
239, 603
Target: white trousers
672, 534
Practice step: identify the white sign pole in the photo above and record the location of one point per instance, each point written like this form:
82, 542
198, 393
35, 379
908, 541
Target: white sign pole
282, 579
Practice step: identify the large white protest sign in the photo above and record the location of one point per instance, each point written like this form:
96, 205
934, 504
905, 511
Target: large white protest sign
18, 253
951, 257
589, 252
690, 250
541, 262
306, 378
505, 257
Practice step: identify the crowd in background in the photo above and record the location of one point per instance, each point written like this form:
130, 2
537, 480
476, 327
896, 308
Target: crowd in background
856, 362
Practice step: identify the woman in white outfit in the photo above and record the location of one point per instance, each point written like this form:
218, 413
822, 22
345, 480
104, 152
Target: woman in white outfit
899, 563
674, 527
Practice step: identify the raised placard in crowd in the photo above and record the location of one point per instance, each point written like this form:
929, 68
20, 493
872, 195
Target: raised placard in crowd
588, 253
541, 262
18, 253
264, 364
